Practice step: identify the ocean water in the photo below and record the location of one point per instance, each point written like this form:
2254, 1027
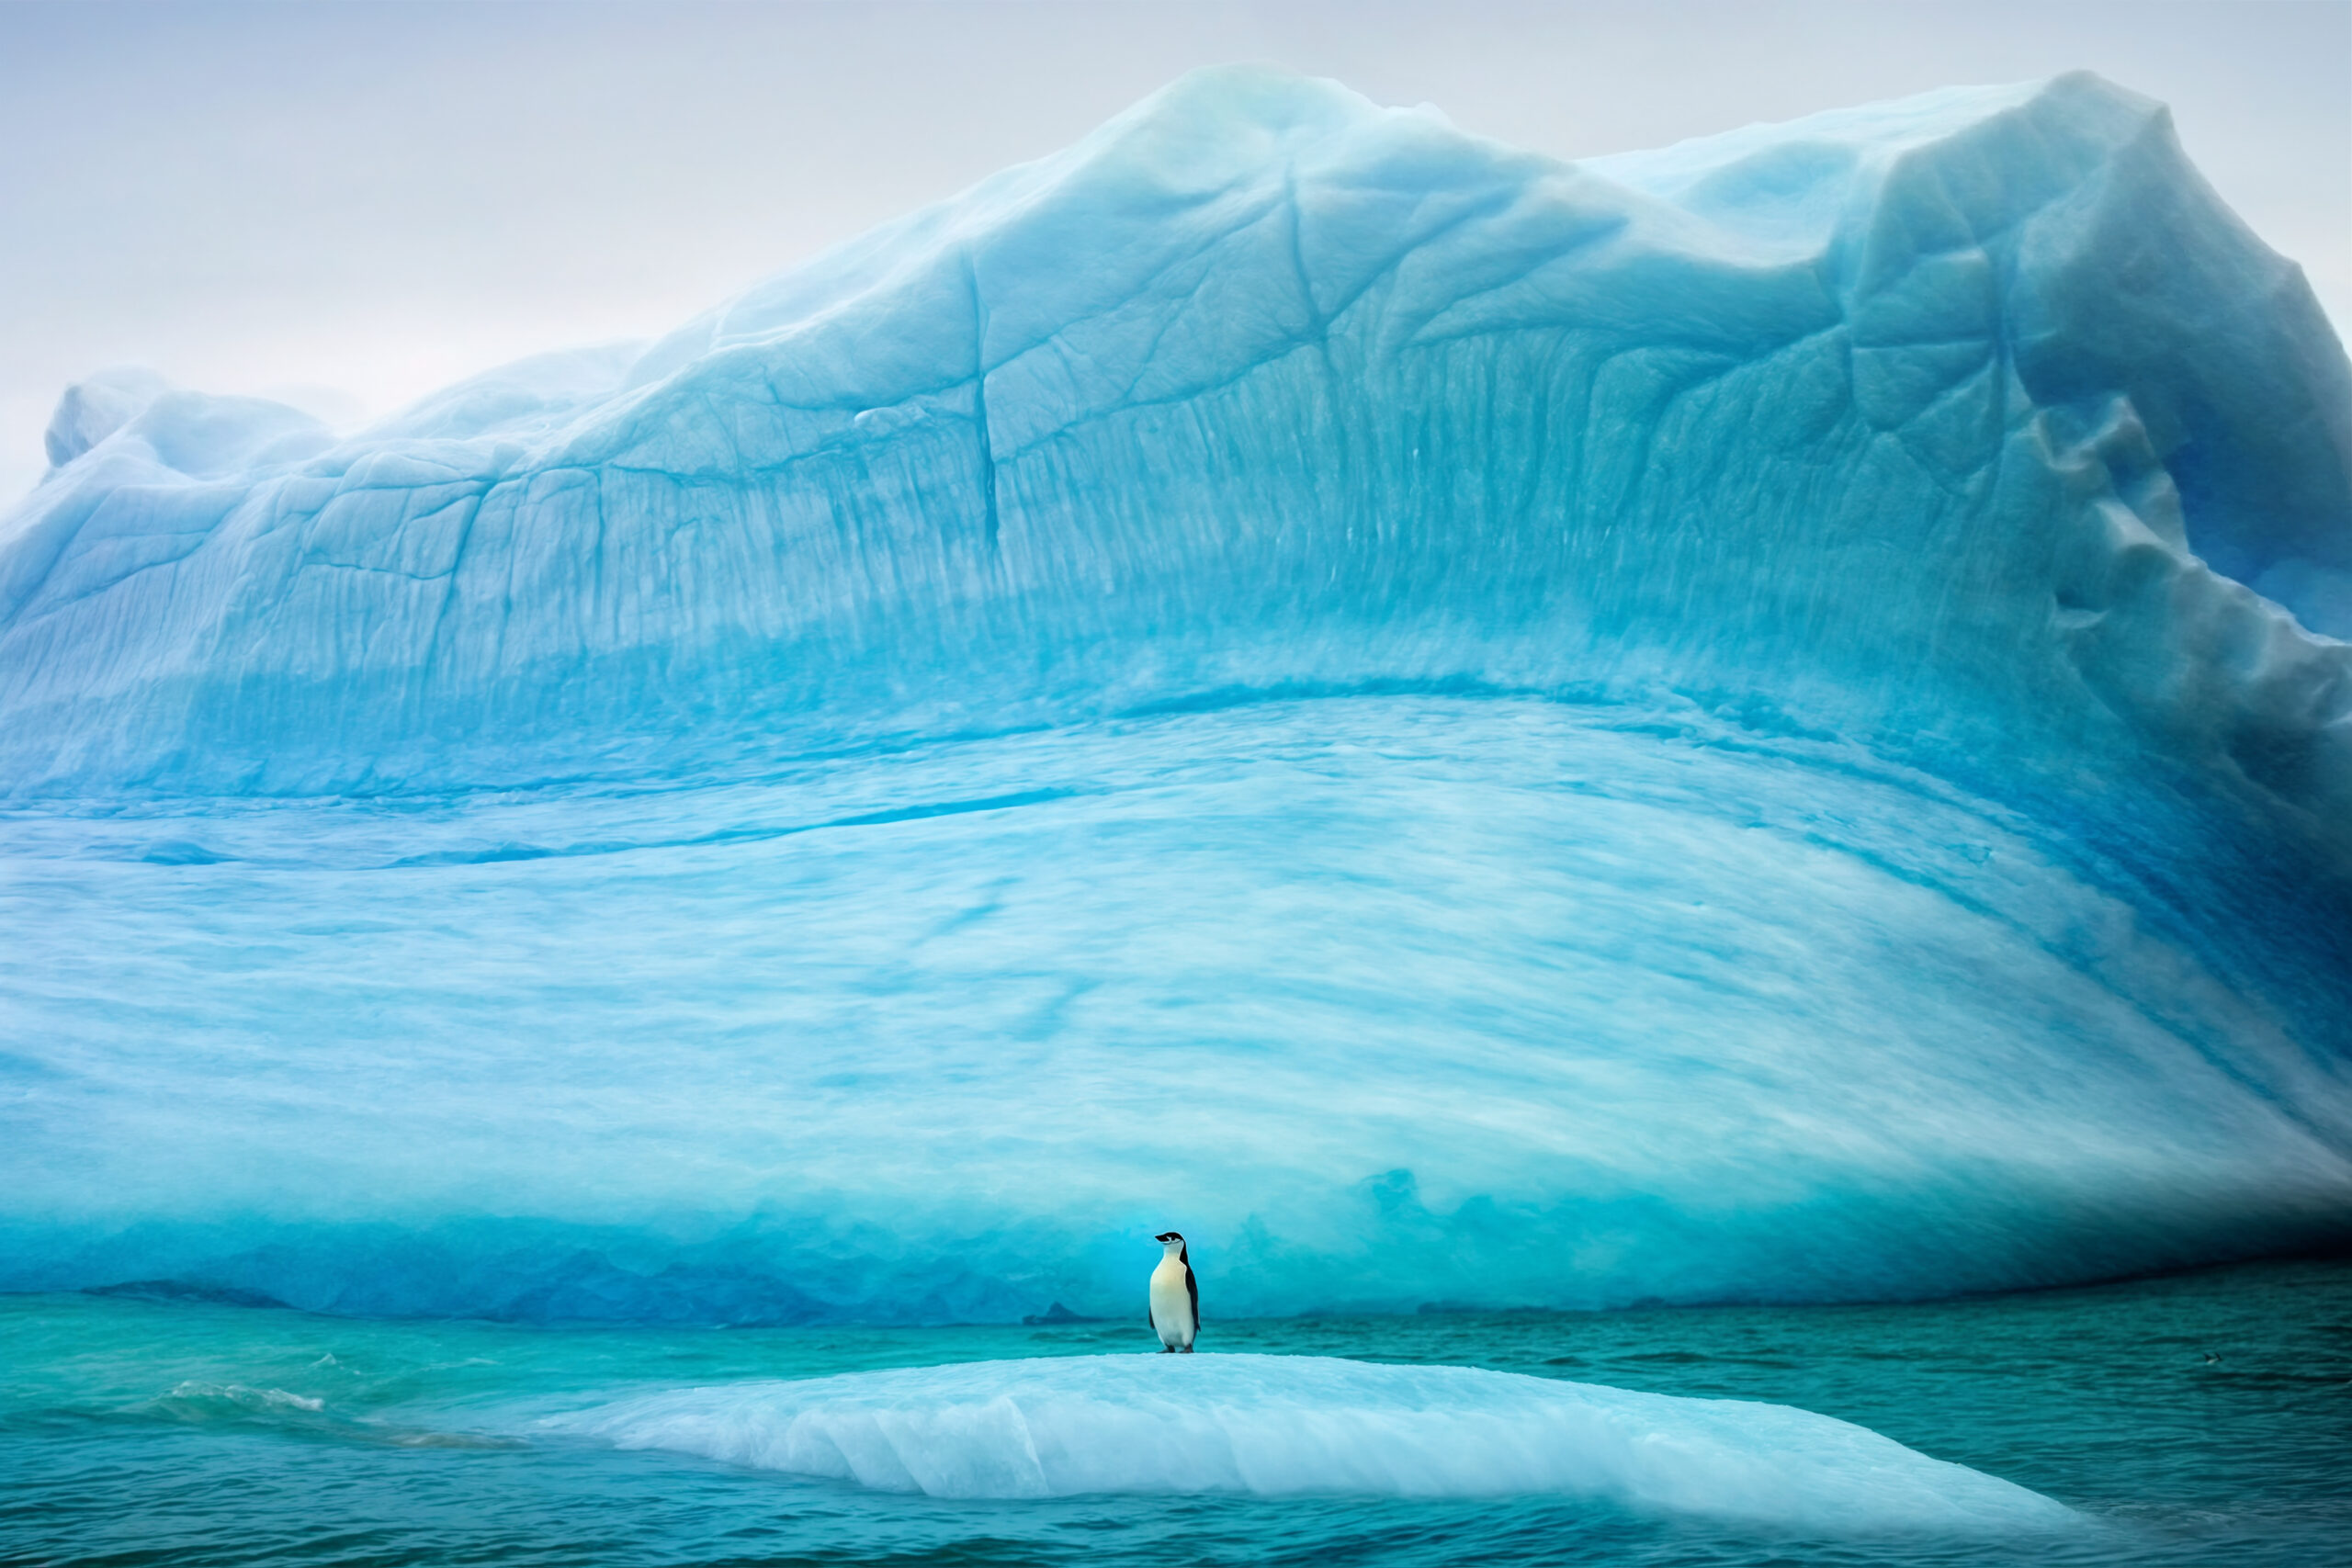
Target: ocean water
2200, 1418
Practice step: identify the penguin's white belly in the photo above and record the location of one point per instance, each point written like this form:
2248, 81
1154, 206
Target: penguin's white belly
1172, 1304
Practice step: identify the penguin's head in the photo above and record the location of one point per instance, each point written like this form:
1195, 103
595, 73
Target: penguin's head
1172, 1241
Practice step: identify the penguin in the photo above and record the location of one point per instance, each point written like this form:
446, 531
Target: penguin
1175, 1296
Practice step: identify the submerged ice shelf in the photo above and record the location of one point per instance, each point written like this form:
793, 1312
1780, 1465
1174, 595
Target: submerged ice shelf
1277, 1426
1762, 720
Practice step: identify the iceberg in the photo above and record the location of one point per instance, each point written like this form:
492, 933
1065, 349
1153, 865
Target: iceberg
1762, 720
1277, 1426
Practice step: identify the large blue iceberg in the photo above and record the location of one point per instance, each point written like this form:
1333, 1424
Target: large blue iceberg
1760, 720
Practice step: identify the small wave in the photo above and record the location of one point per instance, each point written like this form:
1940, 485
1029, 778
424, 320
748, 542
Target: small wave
200, 1398
1287, 1425
200, 1403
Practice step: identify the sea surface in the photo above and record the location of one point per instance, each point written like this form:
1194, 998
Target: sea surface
2203, 1418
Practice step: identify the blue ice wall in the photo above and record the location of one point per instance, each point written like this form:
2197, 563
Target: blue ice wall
1759, 720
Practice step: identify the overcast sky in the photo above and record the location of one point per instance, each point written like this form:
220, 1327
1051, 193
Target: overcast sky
379, 198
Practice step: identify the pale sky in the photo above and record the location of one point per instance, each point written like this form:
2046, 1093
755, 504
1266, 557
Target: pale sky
380, 198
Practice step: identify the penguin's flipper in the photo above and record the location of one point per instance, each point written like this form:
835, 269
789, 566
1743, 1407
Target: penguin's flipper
1192, 1288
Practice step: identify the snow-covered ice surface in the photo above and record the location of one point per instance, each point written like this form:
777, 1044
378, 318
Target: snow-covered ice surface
1762, 720
1277, 1426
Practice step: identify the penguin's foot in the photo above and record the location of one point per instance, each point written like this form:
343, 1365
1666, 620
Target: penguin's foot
1188, 1350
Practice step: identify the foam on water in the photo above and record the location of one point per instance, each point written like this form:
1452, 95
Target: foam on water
1283, 1425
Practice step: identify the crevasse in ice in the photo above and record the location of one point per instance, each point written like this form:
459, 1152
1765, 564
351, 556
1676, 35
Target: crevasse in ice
1759, 720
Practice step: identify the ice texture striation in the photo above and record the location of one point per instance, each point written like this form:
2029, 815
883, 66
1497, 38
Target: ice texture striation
1285, 1424
1759, 720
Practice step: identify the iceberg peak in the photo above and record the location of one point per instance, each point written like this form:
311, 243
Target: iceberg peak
94, 408
1248, 322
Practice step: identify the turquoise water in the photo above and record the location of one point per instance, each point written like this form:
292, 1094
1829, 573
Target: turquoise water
2202, 1418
